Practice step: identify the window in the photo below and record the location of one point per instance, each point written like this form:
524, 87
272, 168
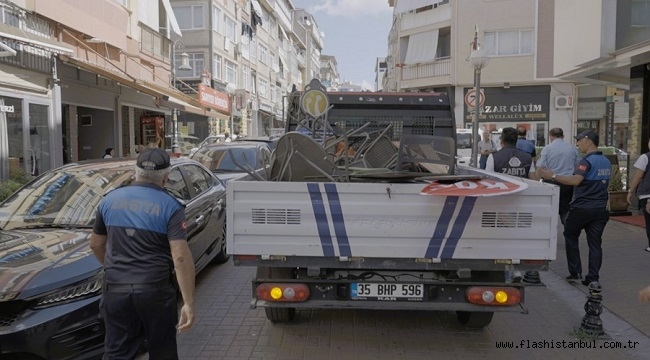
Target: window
511, 42
231, 72
198, 179
176, 185
231, 29
197, 63
216, 18
264, 88
216, 67
272, 92
9, 17
273, 61
640, 11
263, 52
189, 17
273, 24
246, 77
253, 49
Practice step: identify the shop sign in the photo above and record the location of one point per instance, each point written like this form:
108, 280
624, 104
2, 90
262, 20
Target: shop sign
522, 103
213, 99
591, 110
7, 108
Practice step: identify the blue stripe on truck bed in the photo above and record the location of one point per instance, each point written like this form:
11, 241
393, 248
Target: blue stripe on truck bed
338, 220
321, 219
441, 227
459, 226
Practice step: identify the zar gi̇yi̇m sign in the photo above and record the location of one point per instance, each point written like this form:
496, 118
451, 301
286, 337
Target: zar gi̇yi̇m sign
519, 103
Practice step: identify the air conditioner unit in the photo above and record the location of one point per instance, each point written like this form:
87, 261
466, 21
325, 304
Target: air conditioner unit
564, 102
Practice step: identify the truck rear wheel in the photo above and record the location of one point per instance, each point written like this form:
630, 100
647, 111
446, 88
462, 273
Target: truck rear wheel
277, 314
474, 319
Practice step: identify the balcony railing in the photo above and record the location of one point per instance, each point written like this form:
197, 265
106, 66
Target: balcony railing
440, 67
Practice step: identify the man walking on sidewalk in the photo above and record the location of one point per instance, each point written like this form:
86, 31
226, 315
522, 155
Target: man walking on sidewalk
588, 209
561, 158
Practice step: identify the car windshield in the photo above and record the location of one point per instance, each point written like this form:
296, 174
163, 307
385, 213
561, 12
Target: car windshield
67, 197
218, 159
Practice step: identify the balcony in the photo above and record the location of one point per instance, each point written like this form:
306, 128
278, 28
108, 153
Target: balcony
440, 14
440, 67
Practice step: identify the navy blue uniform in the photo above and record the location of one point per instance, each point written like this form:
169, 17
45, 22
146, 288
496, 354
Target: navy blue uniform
139, 300
512, 161
588, 211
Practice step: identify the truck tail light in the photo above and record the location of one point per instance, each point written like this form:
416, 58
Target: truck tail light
498, 296
278, 292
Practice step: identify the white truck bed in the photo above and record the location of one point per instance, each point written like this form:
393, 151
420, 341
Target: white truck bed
389, 220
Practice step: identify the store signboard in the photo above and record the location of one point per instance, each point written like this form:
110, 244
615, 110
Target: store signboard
591, 109
214, 99
518, 103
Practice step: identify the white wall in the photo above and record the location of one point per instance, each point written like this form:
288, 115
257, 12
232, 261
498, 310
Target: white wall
584, 32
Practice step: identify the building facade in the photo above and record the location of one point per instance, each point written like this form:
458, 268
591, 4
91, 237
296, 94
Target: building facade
430, 43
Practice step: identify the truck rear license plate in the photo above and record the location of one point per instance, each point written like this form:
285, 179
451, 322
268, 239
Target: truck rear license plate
387, 292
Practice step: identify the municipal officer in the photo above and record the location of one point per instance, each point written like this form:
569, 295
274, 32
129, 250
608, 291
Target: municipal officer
588, 209
510, 160
140, 236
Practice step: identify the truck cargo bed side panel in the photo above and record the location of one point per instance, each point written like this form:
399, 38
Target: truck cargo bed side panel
390, 221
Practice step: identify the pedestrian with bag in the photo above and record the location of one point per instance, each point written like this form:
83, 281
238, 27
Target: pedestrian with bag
588, 208
640, 187
139, 237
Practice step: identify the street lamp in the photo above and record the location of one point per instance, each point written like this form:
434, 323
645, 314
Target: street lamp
479, 60
230, 89
185, 65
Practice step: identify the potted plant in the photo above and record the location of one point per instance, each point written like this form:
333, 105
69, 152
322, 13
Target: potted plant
617, 195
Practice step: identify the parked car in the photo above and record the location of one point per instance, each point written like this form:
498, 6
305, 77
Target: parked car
50, 281
186, 143
270, 141
238, 159
207, 141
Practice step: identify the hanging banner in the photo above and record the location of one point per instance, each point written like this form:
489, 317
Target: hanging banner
493, 184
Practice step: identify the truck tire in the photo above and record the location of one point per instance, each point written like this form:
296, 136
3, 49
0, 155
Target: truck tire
277, 314
474, 319
280, 315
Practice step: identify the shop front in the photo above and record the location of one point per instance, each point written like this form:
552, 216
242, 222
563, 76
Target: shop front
27, 125
525, 106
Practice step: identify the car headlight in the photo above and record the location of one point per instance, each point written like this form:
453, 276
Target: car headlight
84, 289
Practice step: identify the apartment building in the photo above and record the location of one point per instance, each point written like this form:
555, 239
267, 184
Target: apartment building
252, 51
81, 77
380, 73
604, 47
329, 72
430, 42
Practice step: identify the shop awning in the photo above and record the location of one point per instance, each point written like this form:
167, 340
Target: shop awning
169, 98
10, 79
